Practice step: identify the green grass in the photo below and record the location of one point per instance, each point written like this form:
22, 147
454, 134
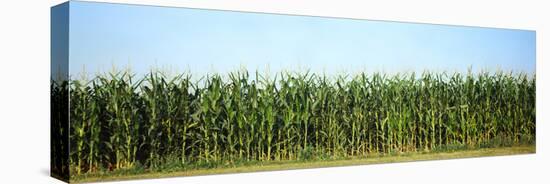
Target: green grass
286, 165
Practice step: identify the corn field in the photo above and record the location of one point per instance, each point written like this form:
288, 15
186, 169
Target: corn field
118, 120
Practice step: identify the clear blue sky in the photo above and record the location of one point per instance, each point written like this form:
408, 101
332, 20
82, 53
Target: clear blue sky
203, 41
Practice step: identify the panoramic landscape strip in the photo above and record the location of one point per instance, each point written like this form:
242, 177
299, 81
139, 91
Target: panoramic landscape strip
151, 91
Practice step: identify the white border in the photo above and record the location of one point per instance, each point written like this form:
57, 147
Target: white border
24, 94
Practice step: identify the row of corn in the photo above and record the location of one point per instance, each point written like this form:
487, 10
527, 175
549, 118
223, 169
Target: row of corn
118, 120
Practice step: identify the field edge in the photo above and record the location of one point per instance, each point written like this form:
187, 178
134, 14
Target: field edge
294, 165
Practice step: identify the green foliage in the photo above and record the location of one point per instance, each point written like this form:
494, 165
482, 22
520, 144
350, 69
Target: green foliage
306, 153
159, 122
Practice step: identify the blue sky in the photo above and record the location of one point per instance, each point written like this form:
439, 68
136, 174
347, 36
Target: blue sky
205, 41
